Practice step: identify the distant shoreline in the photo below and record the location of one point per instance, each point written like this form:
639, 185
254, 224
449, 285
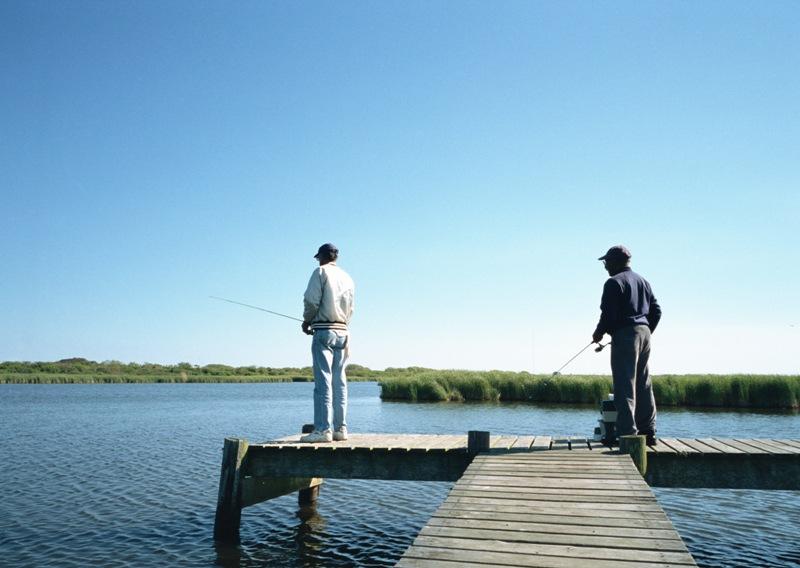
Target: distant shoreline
418, 384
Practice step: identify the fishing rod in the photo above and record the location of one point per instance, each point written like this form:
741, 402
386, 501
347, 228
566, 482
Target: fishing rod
256, 308
597, 349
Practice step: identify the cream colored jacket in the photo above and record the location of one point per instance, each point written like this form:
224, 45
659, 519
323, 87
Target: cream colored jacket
328, 301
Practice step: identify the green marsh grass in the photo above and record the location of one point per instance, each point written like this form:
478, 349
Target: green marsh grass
431, 385
729, 391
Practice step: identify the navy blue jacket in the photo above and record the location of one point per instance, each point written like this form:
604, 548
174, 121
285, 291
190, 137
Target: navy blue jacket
627, 300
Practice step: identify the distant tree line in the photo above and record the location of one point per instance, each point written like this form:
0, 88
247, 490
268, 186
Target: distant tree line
79, 369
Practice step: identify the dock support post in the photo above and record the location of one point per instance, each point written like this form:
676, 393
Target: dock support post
308, 497
636, 447
477, 441
229, 500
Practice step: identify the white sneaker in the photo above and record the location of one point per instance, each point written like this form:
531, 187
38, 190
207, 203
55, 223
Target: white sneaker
317, 437
340, 435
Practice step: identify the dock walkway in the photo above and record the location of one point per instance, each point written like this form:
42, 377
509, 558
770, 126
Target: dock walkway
555, 509
518, 500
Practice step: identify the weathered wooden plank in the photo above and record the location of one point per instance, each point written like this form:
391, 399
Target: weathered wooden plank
554, 475
660, 448
459, 557
421, 442
558, 518
678, 446
579, 443
568, 497
616, 493
562, 484
497, 503
532, 492
523, 443
558, 458
430, 563
551, 493
565, 456
524, 461
582, 552
787, 444
529, 537
699, 446
564, 524
723, 448
533, 470
541, 443
765, 445
453, 442
502, 442
542, 484
549, 509
745, 448
560, 443
537, 470
580, 483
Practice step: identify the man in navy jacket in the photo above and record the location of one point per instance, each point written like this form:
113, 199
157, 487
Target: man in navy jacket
629, 314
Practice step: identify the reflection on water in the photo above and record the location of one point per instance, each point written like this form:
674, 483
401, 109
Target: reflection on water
126, 475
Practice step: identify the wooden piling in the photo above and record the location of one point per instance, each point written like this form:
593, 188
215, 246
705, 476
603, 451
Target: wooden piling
636, 447
477, 441
229, 500
308, 497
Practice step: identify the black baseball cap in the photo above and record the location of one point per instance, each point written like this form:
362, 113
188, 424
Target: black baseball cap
617, 252
327, 250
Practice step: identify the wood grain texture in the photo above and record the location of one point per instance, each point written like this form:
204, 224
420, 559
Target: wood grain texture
503, 513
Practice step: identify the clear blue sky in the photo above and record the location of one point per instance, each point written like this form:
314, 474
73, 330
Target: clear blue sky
470, 159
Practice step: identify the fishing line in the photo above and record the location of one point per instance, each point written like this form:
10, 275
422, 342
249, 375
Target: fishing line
256, 308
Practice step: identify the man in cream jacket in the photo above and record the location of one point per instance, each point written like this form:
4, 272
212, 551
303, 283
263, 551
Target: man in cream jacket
328, 307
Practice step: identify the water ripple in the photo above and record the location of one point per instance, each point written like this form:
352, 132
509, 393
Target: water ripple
126, 476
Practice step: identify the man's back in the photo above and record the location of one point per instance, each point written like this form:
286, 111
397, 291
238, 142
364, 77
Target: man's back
329, 297
628, 300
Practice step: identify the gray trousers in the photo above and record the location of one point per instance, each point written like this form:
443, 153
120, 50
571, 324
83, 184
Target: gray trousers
633, 390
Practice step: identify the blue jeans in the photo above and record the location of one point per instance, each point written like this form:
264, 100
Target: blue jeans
329, 351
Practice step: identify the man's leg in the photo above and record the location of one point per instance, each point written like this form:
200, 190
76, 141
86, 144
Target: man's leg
645, 400
340, 352
623, 369
322, 356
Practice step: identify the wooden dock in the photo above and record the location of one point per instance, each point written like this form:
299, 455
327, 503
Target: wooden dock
522, 500
553, 509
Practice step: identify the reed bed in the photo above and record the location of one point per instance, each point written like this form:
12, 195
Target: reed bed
730, 391
78, 371
421, 384
75, 378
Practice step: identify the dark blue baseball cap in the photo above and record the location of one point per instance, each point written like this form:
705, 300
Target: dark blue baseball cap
327, 250
617, 252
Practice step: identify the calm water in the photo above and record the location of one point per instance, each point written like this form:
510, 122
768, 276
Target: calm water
126, 475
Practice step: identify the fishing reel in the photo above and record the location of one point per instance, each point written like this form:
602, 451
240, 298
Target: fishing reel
601, 346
